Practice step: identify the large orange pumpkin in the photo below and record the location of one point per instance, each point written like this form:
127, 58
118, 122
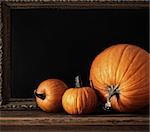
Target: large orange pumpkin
121, 76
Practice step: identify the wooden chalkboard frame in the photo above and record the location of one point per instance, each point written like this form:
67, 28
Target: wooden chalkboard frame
6, 102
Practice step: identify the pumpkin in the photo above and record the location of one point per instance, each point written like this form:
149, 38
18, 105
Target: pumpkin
120, 74
49, 95
79, 100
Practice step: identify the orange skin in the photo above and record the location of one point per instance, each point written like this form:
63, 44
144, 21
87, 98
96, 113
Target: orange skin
79, 100
126, 67
53, 90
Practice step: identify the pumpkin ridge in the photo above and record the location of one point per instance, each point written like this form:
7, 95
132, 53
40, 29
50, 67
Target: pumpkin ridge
83, 102
91, 96
102, 89
138, 68
100, 74
123, 105
132, 85
133, 59
70, 94
85, 94
77, 101
94, 98
84, 98
125, 47
95, 78
126, 104
134, 100
139, 90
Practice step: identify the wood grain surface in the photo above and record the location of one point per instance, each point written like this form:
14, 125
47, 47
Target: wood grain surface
41, 121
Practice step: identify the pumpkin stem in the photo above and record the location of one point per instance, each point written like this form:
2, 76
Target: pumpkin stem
112, 90
78, 82
41, 96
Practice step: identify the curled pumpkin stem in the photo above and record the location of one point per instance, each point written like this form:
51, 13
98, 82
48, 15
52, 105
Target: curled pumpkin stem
41, 96
111, 92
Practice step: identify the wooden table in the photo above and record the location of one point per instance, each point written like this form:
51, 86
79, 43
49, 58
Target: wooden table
39, 121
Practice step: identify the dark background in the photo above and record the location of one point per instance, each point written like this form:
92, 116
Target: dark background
56, 43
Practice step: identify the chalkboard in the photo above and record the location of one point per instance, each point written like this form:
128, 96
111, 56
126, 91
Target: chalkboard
59, 43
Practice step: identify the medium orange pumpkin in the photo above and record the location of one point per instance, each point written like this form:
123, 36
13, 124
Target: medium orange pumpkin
121, 75
79, 100
49, 95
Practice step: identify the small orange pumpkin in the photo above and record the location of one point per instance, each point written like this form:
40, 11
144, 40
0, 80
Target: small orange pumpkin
79, 100
49, 95
121, 75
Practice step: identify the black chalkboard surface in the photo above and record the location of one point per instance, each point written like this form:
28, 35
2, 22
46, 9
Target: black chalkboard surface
59, 43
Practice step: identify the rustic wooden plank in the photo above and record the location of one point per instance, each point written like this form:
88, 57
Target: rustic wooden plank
27, 121
75, 129
40, 113
74, 121
42, 118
